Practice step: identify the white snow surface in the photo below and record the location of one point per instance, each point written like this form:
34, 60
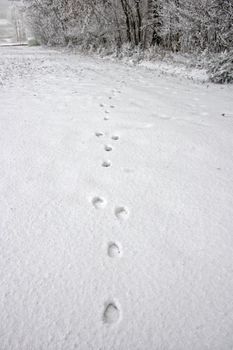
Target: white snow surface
133, 255
177, 70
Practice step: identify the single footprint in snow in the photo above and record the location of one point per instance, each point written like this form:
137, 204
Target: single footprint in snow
114, 250
106, 164
99, 134
115, 137
121, 213
112, 106
98, 202
108, 148
106, 118
110, 97
101, 105
111, 313
107, 112
225, 115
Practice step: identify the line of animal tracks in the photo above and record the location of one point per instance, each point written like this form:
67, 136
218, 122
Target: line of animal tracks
112, 310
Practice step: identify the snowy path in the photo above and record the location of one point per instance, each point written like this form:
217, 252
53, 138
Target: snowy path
116, 207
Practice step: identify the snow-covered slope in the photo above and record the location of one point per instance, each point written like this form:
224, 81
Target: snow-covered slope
116, 207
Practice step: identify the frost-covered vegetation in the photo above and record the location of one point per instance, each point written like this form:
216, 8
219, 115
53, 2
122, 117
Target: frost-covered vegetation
185, 26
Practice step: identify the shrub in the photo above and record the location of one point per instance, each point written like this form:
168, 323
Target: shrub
221, 68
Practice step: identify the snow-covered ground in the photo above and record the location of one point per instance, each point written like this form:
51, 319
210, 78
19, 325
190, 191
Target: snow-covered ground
116, 207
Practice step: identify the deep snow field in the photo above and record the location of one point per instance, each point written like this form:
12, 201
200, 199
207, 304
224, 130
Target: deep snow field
116, 206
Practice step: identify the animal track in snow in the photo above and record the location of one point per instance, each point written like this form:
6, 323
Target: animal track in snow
106, 112
98, 202
115, 138
114, 250
225, 115
111, 313
108, 148
106, 164
112, 106
121, 213
99, 134
101, 105
106, 118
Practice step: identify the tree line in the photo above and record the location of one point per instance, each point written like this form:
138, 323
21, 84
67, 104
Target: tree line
176, 25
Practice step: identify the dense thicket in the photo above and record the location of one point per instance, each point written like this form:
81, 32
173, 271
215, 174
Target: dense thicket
185, 25
176, 25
